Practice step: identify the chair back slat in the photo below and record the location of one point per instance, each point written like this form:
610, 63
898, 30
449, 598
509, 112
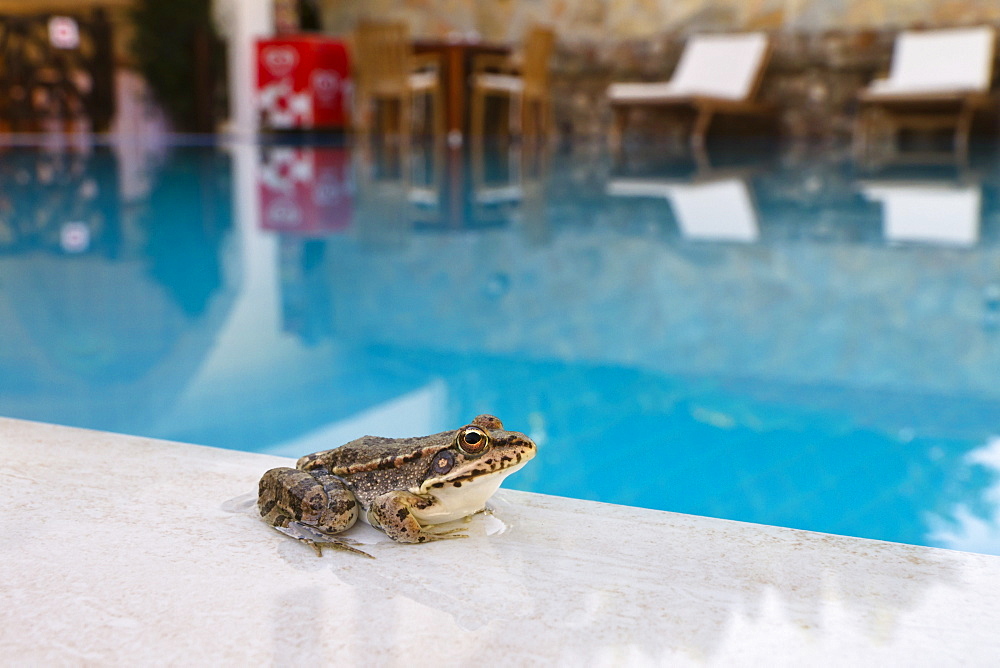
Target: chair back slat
383, 56
538, 47
953, 59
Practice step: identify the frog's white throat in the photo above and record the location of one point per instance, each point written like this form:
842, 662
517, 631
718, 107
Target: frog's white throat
454, 502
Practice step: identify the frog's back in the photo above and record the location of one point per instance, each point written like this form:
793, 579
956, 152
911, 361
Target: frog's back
371, 453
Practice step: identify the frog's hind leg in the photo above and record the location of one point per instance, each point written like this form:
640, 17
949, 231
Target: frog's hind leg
308, 507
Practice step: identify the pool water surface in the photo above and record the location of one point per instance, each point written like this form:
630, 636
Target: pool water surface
777, 338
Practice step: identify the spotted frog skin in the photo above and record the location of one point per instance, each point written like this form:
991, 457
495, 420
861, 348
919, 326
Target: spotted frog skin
403, 486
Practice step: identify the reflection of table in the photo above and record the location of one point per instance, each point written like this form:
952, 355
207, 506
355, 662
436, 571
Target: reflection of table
456, 63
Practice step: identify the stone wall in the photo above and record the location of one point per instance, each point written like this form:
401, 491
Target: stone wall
812, 78
609, 21
824, 50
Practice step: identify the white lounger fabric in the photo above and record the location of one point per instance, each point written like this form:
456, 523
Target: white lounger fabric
719, 66
939, 61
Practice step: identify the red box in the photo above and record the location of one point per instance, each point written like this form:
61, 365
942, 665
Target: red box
303, 82
305, 191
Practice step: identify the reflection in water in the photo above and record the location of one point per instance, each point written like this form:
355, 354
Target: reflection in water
187, 215
305, 191
382, 204
62, 201
811, 375
105, 334
430, 187
508, 184
719, 209
929, 212
306, 303
973, 523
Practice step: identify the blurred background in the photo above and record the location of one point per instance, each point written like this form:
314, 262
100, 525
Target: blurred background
140, 52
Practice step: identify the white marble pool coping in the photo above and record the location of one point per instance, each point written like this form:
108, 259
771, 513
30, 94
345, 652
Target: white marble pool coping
117, 550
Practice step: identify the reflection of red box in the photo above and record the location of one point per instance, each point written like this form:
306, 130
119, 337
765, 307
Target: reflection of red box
303, 82
305, 191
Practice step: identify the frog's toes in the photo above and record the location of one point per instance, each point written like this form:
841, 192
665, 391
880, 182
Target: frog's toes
436, 533
301, 531
317, 540
336, 544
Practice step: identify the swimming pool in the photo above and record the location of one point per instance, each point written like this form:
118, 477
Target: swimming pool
778, 338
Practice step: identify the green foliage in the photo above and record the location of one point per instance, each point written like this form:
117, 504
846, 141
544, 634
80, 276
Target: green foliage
178, 52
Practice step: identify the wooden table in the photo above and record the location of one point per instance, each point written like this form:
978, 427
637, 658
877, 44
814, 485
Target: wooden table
456, 64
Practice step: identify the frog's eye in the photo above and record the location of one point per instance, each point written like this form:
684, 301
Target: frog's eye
443, 462
473, 440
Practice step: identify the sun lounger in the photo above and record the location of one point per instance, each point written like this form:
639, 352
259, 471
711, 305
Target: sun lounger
717, 74
937, 79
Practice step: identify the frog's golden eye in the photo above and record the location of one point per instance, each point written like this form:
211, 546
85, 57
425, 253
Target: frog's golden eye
473, 440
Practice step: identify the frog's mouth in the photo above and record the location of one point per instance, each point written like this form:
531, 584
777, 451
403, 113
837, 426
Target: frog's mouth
497, 462
464, 495
478, 475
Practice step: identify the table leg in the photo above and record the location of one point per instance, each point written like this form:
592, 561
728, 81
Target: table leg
456, 95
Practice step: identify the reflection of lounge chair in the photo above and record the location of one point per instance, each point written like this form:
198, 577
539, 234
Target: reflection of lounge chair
934, 213
717, 74
938, 79
712, 210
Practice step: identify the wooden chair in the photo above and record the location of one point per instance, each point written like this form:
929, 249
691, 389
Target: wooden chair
716, 74
523, 80
938, 79
389, 77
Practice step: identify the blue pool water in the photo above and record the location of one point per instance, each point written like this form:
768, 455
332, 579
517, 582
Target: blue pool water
780, 338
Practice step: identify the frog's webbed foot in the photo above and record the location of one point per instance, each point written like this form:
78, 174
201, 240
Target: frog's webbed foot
336, 543
317, 540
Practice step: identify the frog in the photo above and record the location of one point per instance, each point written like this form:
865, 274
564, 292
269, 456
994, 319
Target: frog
406, 487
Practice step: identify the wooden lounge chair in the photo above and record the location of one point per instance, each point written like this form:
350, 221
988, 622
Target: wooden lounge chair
717, 74
938, 79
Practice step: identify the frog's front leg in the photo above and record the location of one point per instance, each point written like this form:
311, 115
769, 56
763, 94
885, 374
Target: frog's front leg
393, 513
310, 506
